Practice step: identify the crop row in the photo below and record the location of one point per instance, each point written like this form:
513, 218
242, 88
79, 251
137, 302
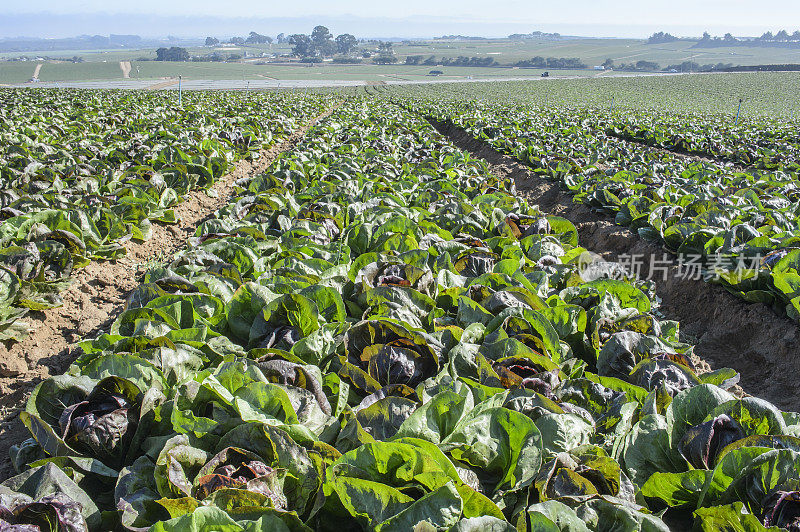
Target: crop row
83, 172
630, 110
378, 334
743, 227
766, 146
768, 100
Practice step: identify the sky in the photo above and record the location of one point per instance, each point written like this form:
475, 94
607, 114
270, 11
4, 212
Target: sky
416, 17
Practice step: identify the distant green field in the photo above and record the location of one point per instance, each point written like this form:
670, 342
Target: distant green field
20, 72
79, 71
505, 51
16, 72
118, 54
104, 64
87, 55
764, 94
595, 51
326, 71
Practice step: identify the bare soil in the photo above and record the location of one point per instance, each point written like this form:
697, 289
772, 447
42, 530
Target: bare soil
125, 66
97, 296
727, 331
162, 85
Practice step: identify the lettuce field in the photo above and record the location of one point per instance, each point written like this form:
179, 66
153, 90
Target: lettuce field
379, 331
701, 186
88, 171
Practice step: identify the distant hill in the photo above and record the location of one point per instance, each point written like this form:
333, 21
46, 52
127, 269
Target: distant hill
459, 38
540, 36
84, 42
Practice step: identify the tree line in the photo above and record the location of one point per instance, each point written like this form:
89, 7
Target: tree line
321, 43
551, 62
782, 38
174, 53
451, 61
253, 38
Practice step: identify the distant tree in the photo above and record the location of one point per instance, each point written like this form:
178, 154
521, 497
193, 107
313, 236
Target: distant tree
706, 36
385, 54
646, 65
322, 41
321, 34
608, 63
174, 53
558, 62
281, 38
691, 66
414, 59
301, 45
536, 62
686, 66
211, 41
236, 40
782, 39
234, 57
257, 38
346, 43
464, 61
661, 37
430, 61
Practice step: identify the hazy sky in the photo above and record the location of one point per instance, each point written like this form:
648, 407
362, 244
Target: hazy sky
732, 12
742, 17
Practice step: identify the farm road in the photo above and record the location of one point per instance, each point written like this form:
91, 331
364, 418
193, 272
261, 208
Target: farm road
37, 70
97, 296
726, 331
125, 66
162, 85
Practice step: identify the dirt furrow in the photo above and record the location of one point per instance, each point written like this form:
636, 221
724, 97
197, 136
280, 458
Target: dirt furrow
727, 331
686, 155
125, 66
97, 297
162, 85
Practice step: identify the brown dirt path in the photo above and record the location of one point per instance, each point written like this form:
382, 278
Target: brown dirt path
36, 71
125, 66
97, 296
162, 85
727, 331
